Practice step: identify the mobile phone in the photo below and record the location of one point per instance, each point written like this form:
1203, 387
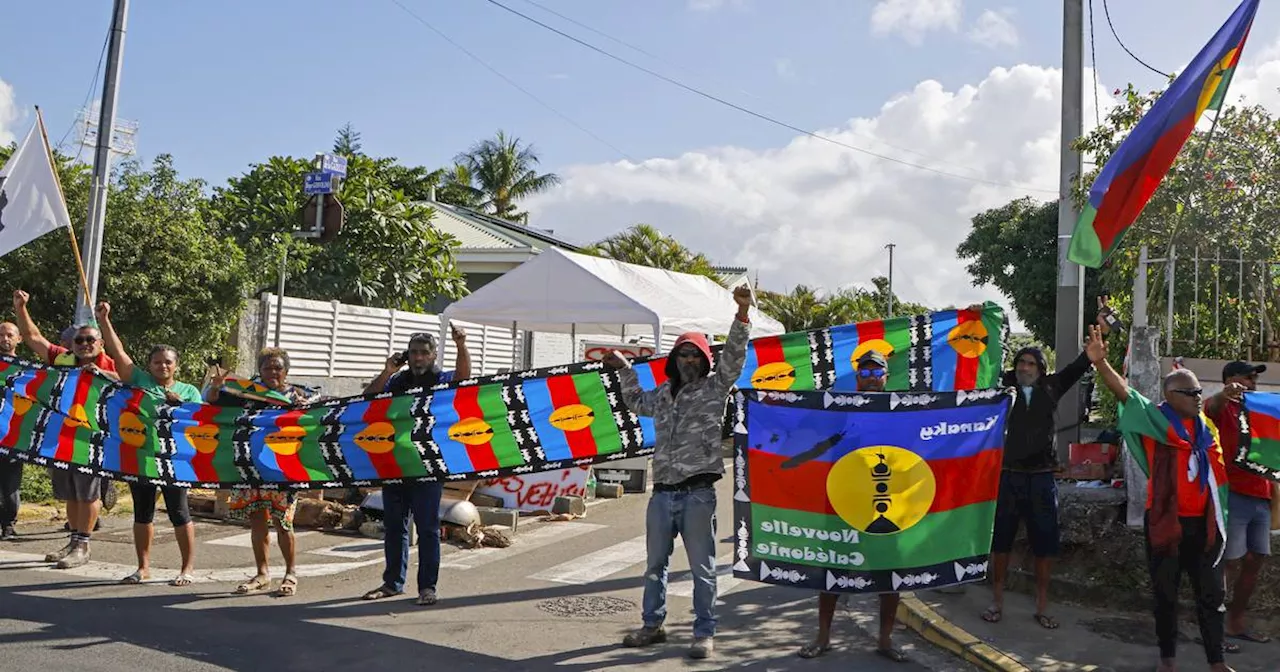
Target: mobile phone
213, 361
402, 357
1113, 321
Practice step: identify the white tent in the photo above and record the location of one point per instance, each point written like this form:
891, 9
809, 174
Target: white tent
565, 292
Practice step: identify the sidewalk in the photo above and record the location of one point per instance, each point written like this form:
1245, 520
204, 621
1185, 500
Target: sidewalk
1088, 640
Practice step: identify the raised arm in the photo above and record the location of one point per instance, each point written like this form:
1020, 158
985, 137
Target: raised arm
111, 342
462, 362
734, 353
30, 332
1096, 348
638, 401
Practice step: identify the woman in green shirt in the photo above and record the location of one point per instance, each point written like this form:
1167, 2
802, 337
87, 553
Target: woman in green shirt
157, 380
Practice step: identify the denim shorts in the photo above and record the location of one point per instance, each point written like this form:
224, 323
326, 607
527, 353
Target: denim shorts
1248, 526
1030, 497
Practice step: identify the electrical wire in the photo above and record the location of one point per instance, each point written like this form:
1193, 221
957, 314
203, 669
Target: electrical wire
93, 84
758, 115
1107, 10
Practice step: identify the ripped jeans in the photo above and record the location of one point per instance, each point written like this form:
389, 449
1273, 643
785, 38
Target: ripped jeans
692, 515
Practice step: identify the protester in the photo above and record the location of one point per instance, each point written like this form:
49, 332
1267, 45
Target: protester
1182, 508
687, 410
1248, 502
81, 492
10, 467
158, 381
263, 507
873, 373
419, 500
1028, 491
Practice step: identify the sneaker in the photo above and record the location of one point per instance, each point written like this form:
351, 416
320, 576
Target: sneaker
7, 533
645, 636
59, 554
702, 648
78, 557
427, 598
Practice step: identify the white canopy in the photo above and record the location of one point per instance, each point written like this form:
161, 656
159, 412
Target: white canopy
565, 292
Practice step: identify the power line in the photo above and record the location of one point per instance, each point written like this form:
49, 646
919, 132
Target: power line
1107, 10
93, 84
758, 115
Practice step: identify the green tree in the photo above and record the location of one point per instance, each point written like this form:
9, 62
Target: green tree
388, 254
806, 307
165, 270
348, 141
798, 310
645, 245
501, 172
1015, 248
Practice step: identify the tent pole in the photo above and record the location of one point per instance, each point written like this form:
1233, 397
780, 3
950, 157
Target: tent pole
515, 348
573, 341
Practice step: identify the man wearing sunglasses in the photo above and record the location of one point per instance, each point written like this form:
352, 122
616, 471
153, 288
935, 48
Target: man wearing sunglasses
1185, 465
687, 411
873, 374
1248, 502
421, 501
81, 492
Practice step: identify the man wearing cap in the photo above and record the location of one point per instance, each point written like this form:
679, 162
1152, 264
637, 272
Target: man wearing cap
421, 501
687, 411
873, 373
1248, 500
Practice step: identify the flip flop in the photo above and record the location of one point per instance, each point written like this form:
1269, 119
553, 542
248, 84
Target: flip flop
288, 586
1227, 647
133, 579
1248, 636
892, 654
380, 592
1046, 621
253, 585
993, 614
182, 580
813, 650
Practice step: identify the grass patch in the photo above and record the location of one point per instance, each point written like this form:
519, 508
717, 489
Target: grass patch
36, 486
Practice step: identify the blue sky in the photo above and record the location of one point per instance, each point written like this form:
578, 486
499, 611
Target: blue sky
223, 84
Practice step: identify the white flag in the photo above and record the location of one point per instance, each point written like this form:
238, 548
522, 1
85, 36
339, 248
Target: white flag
31, 204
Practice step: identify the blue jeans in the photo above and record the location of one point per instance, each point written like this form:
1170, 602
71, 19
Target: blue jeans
422, 501
692, 515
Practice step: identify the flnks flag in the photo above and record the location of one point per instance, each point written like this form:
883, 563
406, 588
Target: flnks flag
31, 202
1259, 447
1133, 172
866, 492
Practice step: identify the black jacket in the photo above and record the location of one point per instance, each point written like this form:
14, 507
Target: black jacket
1030, 431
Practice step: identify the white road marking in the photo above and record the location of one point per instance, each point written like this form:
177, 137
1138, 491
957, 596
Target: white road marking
545, 535
245, 540
113, 572
725, 580
594, 566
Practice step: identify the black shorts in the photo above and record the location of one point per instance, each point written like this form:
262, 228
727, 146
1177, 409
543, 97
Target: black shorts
70, 485
1032, 497
144, 504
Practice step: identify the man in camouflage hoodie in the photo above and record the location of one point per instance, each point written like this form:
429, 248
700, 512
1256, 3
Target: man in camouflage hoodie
687, 412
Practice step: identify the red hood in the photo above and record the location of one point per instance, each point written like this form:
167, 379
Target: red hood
697, 340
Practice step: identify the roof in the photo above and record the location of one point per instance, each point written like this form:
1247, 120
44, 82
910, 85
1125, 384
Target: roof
476, 230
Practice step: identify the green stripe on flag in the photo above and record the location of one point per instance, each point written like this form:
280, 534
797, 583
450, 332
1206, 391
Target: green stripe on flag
604, 430
1086, 248
991, 363
224, 458
406, 454
796, 352
505, 448
1265, 452
938, 537
309, 453
897, 333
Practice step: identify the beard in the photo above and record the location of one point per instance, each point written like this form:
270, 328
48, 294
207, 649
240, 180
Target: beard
689, 371
1026, 379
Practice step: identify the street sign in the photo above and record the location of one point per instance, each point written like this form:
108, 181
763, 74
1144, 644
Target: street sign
317, 183
332, 163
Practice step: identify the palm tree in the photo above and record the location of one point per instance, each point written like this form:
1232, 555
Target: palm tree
647, 246
502, 171
800, 310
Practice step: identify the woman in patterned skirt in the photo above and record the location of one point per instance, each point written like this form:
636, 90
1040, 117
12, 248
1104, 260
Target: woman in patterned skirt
262, 507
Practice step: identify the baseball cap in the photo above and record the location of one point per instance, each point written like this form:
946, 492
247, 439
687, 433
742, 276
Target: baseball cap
1239, 368
872, 357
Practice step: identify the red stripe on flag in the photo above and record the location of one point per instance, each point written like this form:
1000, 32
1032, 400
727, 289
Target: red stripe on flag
291, 465
768, 350
15, 422
870, 331
383, 463
563, 393
129, 454
962, 481
67, 433
658, 368
1131, 189
967, 367
1264, 426
466, 401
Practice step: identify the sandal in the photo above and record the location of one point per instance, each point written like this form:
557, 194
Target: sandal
813, 650
1227, 647
892, 654
183, 580
1046, 621
380, 592
1248, 636
993, 614
259, 582
134, 578
288, 586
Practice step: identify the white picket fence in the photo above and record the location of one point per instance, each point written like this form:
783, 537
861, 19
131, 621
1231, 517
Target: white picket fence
332, 339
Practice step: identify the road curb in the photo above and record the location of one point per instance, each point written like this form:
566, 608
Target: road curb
940, 632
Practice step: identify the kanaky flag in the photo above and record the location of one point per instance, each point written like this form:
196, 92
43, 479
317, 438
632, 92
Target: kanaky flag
31, 203
1138, 165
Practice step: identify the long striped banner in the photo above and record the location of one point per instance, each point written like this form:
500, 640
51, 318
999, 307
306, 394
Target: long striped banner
488, 427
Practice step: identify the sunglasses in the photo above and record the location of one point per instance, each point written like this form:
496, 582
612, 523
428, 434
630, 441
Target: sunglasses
689, 353
85, 340
1191, 392
870, 373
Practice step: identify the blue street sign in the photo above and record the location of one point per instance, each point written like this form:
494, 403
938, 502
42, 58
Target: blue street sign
317, 183
334, 164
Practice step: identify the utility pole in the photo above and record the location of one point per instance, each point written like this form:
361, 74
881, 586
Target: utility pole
101, 178
888, 313
1070, 300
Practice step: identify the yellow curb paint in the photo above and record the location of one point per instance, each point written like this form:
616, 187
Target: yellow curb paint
942, 633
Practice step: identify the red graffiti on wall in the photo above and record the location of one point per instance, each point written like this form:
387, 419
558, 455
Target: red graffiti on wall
538, 491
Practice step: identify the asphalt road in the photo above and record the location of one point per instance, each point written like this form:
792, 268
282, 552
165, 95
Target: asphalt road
560, 598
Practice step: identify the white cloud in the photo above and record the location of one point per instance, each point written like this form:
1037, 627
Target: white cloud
783, 67
913, 18
9, 113
995, 29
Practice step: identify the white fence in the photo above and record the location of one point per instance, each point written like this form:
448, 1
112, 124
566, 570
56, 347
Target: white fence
336, 340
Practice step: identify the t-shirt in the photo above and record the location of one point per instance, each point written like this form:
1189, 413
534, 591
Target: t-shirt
1242, 481
185, 391
406, 380
1141, 421
60, 356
